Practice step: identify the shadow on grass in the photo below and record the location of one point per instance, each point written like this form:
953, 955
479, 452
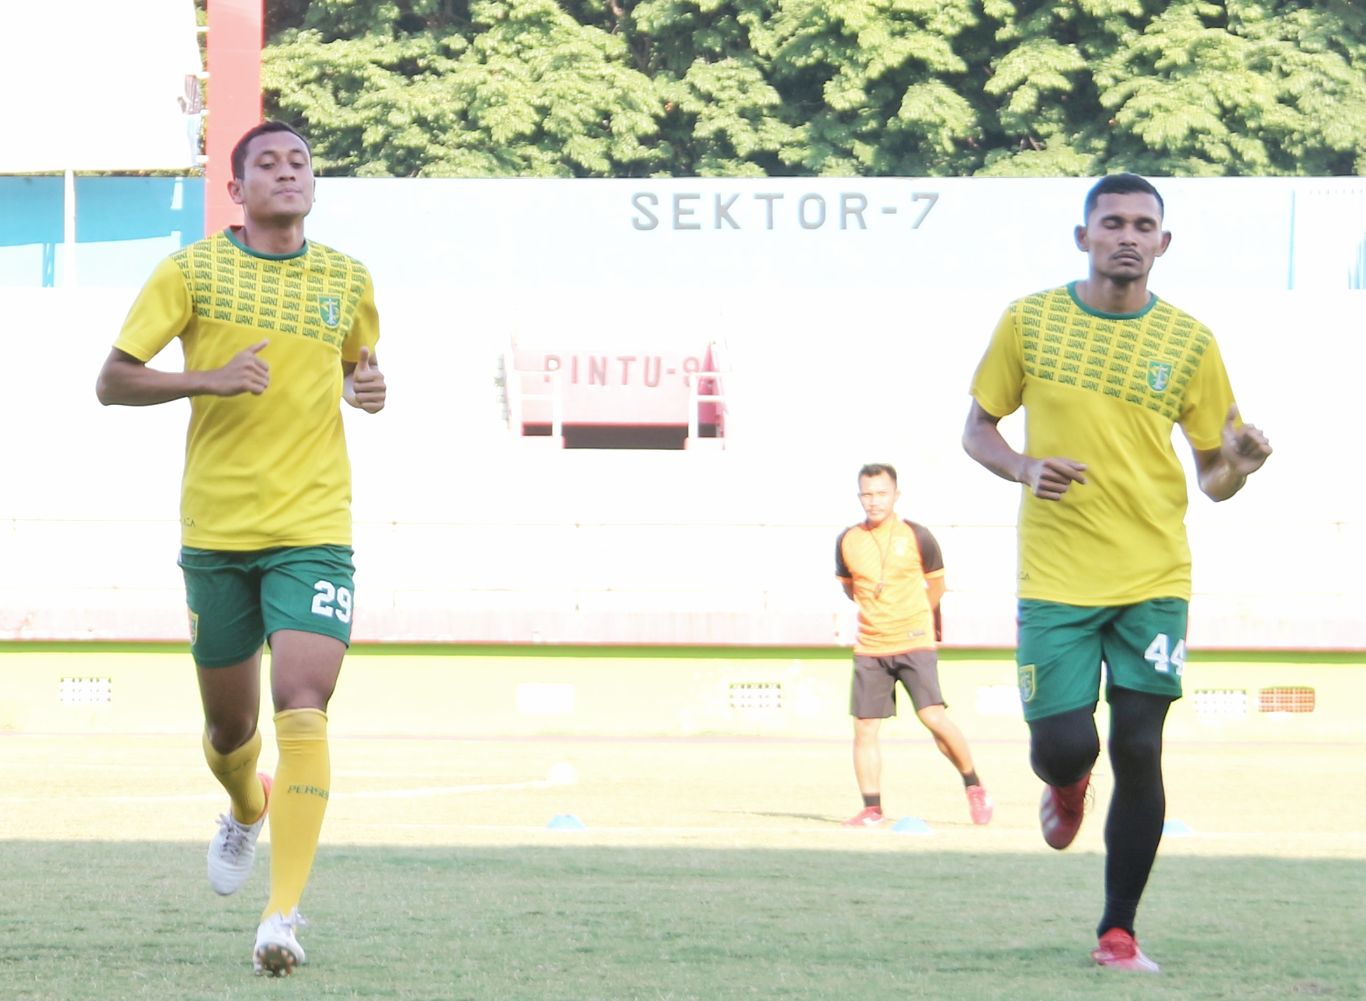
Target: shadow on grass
118, 920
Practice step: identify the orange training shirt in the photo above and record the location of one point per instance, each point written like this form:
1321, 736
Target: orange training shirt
888, 567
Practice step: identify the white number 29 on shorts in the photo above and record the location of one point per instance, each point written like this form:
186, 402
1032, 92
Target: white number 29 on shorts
331, 600
1164, 659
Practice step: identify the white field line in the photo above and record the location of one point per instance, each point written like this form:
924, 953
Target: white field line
422, 792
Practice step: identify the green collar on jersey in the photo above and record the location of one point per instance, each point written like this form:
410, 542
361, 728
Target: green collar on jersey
233, 239
1072, 291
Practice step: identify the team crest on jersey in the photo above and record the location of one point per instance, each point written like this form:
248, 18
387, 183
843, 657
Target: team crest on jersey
1159, 375
329, 308
1029, 686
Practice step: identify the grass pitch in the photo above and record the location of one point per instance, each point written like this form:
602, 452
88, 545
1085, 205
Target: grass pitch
707, 869
597, 922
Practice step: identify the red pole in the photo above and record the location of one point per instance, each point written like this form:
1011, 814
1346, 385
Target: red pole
233, 98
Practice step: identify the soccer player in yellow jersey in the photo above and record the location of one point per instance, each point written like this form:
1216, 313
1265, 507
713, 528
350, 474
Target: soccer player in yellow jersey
1104, 369
276, 332
894, 571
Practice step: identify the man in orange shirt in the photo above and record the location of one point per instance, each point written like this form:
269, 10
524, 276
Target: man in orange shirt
893, 570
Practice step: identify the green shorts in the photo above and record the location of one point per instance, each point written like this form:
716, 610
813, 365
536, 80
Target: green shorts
238, 600
1061, 649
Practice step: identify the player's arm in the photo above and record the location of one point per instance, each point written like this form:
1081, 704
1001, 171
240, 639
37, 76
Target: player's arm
1046, 478
935, 588
128, 382
932, 561
1242, 450
842, 572
363, 383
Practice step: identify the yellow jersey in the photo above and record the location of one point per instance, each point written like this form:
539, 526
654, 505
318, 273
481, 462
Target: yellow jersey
1105, 390
269, 470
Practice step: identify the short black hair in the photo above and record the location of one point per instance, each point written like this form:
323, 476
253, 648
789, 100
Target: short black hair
1119, 184
877, 469
239, 152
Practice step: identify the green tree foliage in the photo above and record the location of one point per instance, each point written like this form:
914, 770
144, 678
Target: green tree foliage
1238, 88
822, 87
441, 89
875, 84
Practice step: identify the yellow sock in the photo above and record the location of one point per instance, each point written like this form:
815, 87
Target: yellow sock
298, 801
236, 771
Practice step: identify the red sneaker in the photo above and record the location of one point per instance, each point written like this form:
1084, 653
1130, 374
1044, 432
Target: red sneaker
1119, 951
1060, 812
980, 805
869, 816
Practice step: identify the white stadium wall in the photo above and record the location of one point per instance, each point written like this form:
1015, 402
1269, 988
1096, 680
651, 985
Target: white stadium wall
847, 317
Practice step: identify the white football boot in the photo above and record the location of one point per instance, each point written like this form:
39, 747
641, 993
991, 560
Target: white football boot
277, 951
232, 852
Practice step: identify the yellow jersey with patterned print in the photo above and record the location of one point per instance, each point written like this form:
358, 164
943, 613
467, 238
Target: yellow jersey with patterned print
1105, 390
269, 470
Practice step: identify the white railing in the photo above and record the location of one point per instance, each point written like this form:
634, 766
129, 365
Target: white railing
697, 398
517, 395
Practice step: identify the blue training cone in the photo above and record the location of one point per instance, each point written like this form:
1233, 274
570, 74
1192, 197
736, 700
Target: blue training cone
565, 822
911, 825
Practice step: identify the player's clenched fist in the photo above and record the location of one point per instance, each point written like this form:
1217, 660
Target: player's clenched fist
367, 384
1244, 446
247, 372
1048, 479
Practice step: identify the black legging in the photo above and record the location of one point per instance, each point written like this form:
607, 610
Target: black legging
1064, 748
